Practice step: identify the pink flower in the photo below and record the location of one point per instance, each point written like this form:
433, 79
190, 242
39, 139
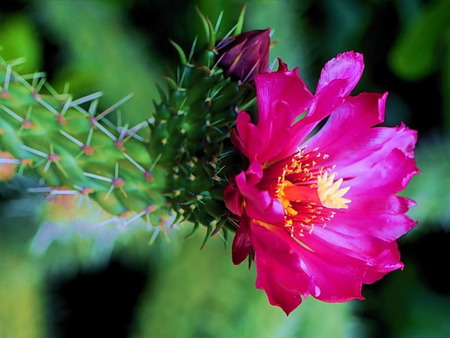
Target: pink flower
318, 212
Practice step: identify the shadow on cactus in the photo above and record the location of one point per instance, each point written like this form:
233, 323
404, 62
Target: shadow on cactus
171, 167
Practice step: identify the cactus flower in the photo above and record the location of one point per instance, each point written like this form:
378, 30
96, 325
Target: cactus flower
318, 212
245, 55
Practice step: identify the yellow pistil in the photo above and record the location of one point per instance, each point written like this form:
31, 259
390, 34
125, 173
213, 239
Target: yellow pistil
330, 191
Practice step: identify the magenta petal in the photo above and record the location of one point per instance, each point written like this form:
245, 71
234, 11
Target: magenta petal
385, 227
281, 86
246, 136
338, 78
233, 199
259, 204
337, 277
389, 175
387, 261
347, 66
375, 253
347, 136
278, 269
242, 243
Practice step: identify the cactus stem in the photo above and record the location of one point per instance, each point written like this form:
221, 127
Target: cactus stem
155, 162
121, 140
180, 51
113, 107
61, 119
119, 145
46, 105
85, 191
40, 190
191, 53
51, 90
118, 182
98, 177
95, 124
73, 139
9, 161
155, 235
29, 76
207, 235
89, 138
54, 192
115, 219
40, 83
66, 105
85, 199
137, 165
181, 79
215, 65
137, 216
123, 132
87, 98
87, 150
23, 81
145, 212
4, 94
149, 176
219, 21
132, 132
34, 151
7, 78
171, 82
12, 114
23, 163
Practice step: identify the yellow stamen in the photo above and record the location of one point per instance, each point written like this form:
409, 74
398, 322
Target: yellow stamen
330, 193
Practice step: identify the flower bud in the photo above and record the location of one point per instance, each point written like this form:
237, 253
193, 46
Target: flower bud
244, 56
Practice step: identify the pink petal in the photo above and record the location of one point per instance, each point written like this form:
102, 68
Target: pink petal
373, 251
242, 243
246, 137
258, 203
233, 199
281, 86
389, 175
337, 277
338, 78
360, 219
278, 269
347, 66
348, 135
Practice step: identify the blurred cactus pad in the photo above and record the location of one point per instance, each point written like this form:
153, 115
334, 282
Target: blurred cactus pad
166, 169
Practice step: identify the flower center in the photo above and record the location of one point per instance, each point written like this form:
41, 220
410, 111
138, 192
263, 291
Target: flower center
309, 192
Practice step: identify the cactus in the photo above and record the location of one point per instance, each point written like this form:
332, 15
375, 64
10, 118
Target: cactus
169, 168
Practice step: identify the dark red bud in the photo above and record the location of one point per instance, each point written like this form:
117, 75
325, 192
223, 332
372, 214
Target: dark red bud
244, 56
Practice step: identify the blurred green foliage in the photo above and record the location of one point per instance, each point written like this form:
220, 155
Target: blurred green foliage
121, 47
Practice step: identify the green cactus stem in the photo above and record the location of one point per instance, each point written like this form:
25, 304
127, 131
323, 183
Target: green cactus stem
171, 167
